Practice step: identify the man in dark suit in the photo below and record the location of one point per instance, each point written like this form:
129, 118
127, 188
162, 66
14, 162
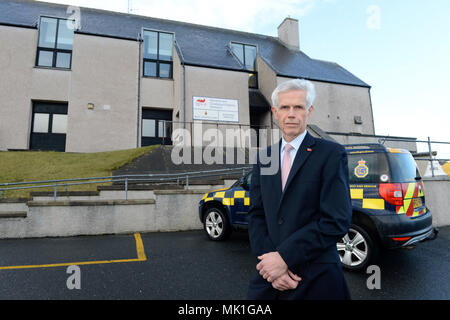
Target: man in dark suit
299, 213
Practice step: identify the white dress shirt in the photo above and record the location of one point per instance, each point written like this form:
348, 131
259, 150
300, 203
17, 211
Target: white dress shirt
295, 146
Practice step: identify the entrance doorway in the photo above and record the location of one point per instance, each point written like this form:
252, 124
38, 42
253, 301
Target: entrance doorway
48, 126
156, 127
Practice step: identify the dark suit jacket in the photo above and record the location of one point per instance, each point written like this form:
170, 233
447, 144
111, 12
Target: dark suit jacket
304, 222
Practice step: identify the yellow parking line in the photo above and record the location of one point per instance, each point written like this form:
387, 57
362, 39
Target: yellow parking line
139, 249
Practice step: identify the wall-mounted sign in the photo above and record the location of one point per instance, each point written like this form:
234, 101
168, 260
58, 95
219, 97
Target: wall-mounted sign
214, 109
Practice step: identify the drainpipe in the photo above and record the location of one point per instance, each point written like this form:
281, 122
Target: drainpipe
139, 94
180, 54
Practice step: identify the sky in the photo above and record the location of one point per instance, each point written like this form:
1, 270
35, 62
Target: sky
401, 48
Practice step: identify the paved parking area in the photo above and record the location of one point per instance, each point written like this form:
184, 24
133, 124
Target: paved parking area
185, 265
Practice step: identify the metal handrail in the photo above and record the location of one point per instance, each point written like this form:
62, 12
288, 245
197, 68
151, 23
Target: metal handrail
163, 177
430, 152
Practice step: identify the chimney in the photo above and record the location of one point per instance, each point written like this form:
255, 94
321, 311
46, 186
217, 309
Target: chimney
288, 33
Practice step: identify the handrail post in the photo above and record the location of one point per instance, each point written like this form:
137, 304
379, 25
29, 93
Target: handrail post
431, 157
126, 188
187, 182
54, 192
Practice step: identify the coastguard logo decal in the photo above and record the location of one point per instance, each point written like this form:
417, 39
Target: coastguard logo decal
361, 169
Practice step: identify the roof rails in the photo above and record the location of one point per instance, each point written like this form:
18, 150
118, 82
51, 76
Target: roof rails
376, 146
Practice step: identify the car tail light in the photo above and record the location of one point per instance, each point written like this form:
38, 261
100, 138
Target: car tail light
392, 193
401, 239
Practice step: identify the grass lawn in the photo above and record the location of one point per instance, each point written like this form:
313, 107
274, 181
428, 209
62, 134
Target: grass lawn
38, 166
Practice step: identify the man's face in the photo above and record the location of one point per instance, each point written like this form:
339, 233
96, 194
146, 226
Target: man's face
291, 113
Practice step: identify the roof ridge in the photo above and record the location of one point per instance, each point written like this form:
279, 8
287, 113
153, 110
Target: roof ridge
152, 18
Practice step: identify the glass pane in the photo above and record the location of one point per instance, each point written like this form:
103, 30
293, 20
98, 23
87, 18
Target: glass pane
367, 168
63, 60
164, 70
250, 58
238, 50
65, 35
150, 69
403, 167
165, 46
150, 45
45, 58
41, 122
47, 32
148, 128
59, 124
161, 128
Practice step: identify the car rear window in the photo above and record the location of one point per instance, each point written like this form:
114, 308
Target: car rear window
368, 168
403, 167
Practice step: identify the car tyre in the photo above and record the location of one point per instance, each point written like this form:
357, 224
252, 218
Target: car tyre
216, 224
357, 249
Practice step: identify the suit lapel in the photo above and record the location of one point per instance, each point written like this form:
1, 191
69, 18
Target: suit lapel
276, 178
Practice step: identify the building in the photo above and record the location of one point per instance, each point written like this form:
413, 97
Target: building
87, 80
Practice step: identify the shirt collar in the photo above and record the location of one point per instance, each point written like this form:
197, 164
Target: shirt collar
294, 143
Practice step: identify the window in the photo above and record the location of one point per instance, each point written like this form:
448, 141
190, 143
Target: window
247, 56
148, 128
55, 43
158, 54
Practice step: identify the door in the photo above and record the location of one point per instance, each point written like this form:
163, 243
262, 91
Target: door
156, 127
48, 126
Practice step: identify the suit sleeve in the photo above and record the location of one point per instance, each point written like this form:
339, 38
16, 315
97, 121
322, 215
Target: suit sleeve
314, 238
257, 229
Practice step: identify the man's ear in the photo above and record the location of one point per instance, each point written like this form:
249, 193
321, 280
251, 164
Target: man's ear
274, 111
310, 110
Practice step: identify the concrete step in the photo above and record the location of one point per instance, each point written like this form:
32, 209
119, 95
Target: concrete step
83, 203
103, 195
13, 214
140, 187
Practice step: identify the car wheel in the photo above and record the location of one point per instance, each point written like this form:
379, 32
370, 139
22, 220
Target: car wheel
356, 249
216, 224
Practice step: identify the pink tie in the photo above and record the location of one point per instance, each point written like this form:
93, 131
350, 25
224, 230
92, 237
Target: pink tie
286, 166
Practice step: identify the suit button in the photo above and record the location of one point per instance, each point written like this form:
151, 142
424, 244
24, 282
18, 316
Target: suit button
280, 221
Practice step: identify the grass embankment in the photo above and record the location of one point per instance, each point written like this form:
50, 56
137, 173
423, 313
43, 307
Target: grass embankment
39, 166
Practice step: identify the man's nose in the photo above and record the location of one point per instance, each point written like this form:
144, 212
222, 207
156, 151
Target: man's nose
291, 112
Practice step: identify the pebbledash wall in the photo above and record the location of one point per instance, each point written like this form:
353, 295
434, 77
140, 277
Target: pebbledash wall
107, 71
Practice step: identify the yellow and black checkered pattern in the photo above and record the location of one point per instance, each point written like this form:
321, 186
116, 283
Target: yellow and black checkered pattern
228, 197
367, 197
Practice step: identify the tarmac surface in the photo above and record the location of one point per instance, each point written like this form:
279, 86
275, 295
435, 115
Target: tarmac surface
186, 265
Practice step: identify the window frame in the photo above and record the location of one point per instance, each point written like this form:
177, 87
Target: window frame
158, 61
55, 49
254, 72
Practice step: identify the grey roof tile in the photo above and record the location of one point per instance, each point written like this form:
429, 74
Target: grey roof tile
199, 45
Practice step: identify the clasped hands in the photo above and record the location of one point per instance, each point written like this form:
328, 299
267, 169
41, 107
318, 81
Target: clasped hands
273, 268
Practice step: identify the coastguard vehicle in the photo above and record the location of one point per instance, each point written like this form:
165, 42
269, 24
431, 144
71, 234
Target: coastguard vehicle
388, 204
